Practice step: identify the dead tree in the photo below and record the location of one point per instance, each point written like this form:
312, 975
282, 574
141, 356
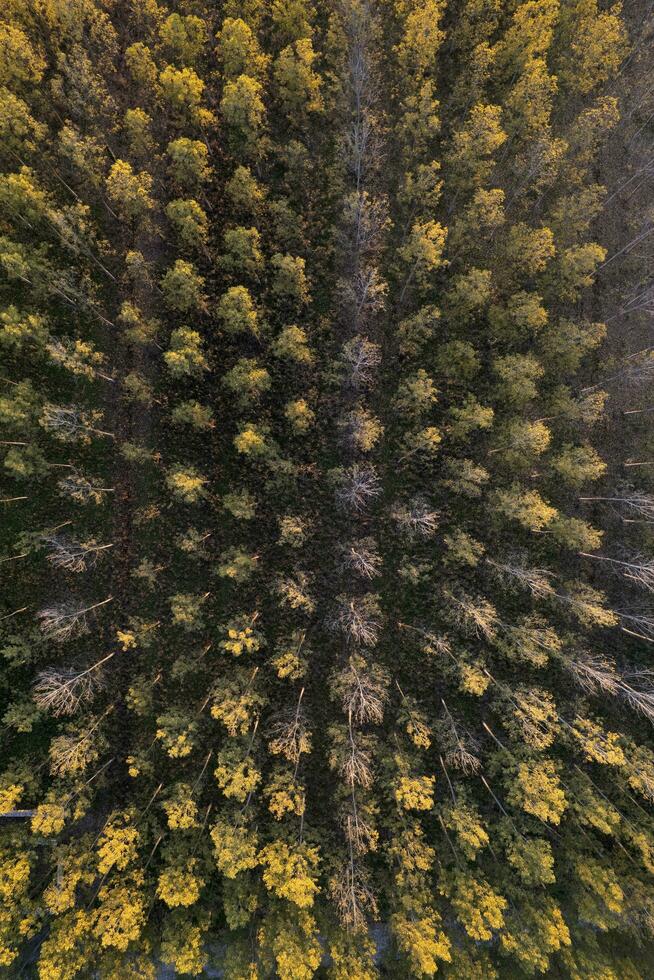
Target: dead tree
534, 580
638, 569
70, 619
358, 618
417, 519
358, 486
62, 692
640, 505
81, 489
363, 558
69, 423
70, 555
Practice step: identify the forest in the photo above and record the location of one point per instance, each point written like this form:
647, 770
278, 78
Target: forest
326, 487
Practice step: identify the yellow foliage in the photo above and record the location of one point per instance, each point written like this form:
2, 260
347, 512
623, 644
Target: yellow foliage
602, 880
14, 874
62, 954
473, 680
292, 343
527, 507
300, 415
117, 847
237, 778
544, 932
421, 37
250, 441
241, 637
352, 957
537, 791
235, 848
239, 50
284, 796
294, 945
470, 832
598, 745
186, 485
532, 859
415, 793
290, 872
130, 193
49, 819
126, 638
121, 915
73, 869
421, 942
176, 733
183, 948
423, 251
9, 797
479, 909
181, 810
297, 82
597, 44
180, 886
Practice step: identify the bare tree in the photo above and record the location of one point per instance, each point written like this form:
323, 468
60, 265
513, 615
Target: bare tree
534, 580
635, 502
290, 737
643, 623
70, 555
594, 673
363, 558
459, 747
83, 490
362, 296
361, 358
641, 696
416, 518
365, 218
638, 369
69, 423
362, 690
72, 753
63, 622
358, 486
353, 897
360, 835
358, 618
638, 568
62, 692
476, 615
357, 765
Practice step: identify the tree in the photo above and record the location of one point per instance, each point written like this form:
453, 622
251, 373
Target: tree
242, 256
577, 465
189, 222
237, 311
243, 110
297, 82
184, 37
598, 45
422, 254
474, 144
189, 164
130, 193
186, 484
239, 51
182, 287
183, 89
290, 281
185, 356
